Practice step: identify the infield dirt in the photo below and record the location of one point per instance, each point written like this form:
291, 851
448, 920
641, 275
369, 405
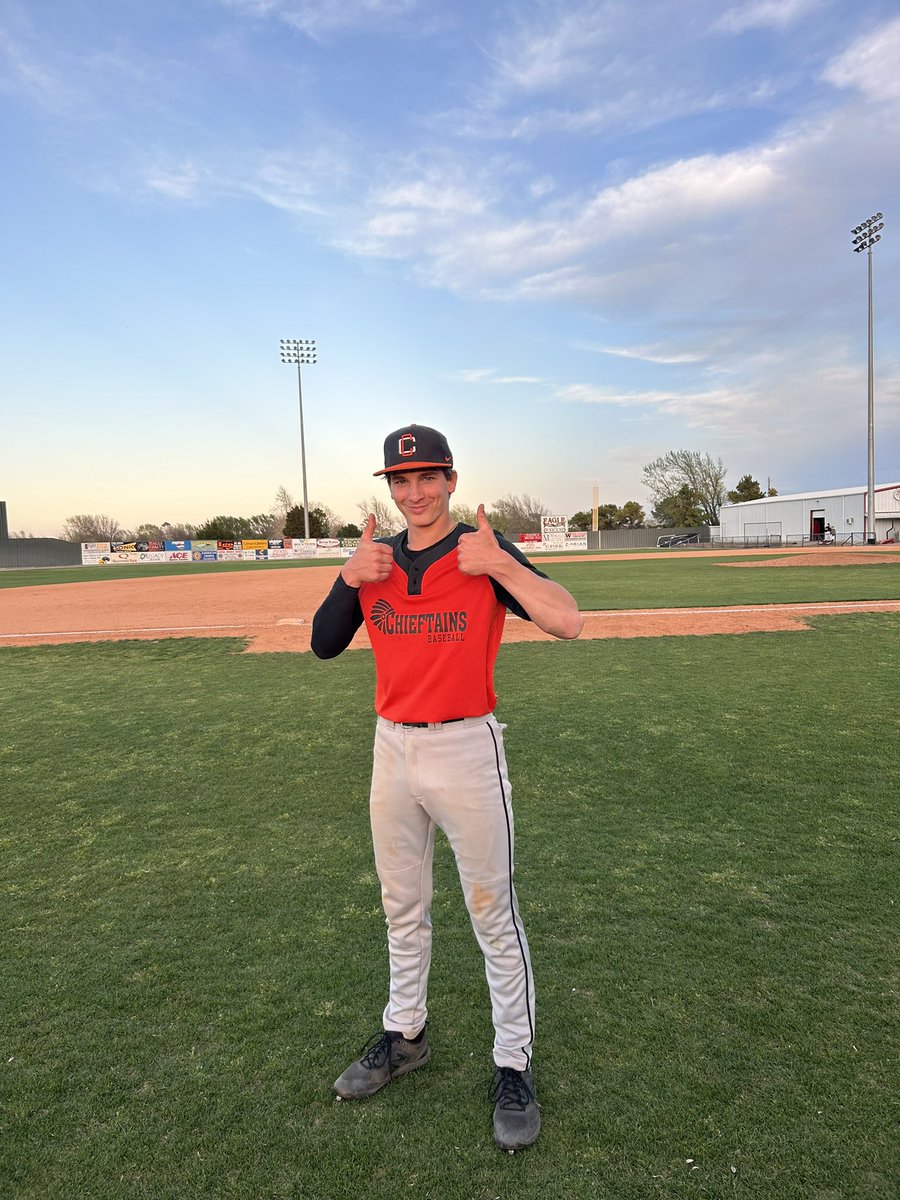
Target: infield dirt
273, 610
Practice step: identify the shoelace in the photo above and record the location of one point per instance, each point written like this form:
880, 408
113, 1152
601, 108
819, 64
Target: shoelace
376, 1051
509, 1089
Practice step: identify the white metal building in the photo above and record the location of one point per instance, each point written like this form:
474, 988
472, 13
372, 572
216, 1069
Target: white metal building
803, 517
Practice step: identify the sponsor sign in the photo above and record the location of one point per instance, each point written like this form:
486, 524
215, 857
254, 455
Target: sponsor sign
305, 549
276, 553
255, 544
204, 545
139, 547
93, 558
230, 555
204, 555
327, 547
95, 547
276, 543
576, 541
529, 537
174, 546
349, 544
178, 555
228, 545
553, 532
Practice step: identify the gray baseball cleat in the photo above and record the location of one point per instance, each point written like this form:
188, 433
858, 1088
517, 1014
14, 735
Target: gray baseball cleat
385, 1057
517, 1117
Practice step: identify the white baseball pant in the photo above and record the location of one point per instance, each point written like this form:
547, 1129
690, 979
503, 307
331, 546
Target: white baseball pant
451, 776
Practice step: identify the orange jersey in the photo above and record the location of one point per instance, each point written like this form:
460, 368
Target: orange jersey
435, 632
435, 651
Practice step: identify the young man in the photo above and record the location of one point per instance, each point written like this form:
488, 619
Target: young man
434, 599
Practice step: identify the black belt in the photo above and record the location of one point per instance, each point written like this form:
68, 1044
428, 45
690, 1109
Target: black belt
425, 724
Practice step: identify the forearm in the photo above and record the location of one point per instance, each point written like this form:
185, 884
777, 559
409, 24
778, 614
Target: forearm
548, 604
336, 621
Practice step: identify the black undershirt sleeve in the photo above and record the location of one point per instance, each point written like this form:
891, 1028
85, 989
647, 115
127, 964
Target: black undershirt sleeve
500, 592
336, 621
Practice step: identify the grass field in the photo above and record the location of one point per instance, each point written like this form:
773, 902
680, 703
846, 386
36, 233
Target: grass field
193, 946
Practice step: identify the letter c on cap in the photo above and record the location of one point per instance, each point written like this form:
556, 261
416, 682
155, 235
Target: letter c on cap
407, 445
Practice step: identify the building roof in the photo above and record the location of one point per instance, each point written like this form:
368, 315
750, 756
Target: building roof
851, 491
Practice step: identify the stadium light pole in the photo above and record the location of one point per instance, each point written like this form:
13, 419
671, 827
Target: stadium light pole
303, 353
864, 238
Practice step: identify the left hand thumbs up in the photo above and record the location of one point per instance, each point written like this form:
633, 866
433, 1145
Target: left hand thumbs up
478, 551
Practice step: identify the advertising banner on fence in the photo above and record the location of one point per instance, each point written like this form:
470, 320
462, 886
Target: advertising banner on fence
327, 547
576, 541
303, 548
230, 555
94, 553
204, 555
178, 555
276, 553
255, 543
553, 532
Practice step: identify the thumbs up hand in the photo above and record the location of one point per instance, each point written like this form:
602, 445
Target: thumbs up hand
478, 552
371, 562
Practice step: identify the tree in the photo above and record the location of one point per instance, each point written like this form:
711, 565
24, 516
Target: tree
667, 475
679, 511
514, 515
235, 528
386, 523
747, 489
293, 526
606, 516
91, 527
581, 522
631, 516
348, 531
463, 514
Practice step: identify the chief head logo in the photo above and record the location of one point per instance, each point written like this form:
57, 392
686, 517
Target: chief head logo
381, 611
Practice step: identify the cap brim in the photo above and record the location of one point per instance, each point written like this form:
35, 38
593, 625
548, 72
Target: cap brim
417, 466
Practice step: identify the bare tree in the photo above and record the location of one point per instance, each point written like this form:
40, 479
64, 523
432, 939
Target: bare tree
386, 523
463, 514
91, 527
705, 476
514, 515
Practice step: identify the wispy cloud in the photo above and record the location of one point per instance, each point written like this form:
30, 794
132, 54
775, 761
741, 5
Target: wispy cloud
762, 14
317, 18
658, 353
489, 375
871, 64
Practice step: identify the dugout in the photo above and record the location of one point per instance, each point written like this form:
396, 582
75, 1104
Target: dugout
801, 519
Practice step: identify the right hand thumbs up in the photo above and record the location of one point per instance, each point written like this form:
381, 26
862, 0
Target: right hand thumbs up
371, 562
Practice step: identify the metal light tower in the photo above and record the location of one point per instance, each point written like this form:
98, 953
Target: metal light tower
864, 238
303, 353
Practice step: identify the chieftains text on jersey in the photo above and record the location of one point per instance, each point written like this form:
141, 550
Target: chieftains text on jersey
448, 626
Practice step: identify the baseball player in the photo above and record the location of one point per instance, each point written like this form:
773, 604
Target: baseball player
434, 599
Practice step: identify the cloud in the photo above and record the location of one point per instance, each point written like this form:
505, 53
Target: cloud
762, 14
489, 375
657, 353
317, 18
870, 64
543, 54
25, 74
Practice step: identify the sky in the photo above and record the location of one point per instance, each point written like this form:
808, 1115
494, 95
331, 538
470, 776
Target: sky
572, 236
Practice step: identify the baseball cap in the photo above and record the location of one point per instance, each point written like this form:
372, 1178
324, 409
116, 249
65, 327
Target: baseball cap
413, 448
